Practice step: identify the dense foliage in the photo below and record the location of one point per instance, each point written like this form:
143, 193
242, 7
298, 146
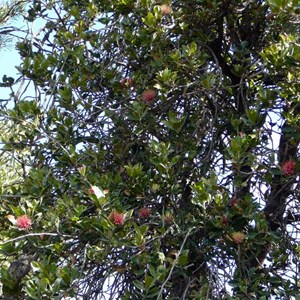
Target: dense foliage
156, 151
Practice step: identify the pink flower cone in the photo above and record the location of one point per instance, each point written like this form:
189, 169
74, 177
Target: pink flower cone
144, 212
116, 218
288, 168
23, 222
148, 96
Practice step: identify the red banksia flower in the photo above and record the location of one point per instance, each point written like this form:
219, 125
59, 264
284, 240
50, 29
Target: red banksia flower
148, 96
23, 222
288, 168
116, 218
144, 212
238, 237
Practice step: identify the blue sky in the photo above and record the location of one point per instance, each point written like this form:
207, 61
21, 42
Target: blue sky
9, 58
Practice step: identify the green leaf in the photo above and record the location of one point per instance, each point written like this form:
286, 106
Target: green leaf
139, 285
183, 258
149, 281
149, 20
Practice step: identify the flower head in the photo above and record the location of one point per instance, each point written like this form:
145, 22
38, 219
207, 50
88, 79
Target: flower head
116, 218
288, 168
148, 96
238, 237
23, 222
144, 212
168, 218
165, 9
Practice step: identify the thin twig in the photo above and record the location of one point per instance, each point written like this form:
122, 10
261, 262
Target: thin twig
34, 234
174, 264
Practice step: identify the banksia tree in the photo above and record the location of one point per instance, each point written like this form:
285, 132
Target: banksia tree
159, 151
